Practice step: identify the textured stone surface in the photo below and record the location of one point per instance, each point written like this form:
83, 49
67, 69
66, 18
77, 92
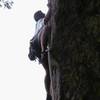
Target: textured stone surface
75, 50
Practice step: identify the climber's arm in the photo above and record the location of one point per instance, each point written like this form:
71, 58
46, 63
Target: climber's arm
48, 15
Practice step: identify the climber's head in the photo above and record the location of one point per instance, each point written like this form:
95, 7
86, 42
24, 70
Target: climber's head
38, 15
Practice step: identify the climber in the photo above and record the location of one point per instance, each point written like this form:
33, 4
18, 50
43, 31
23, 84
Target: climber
37, 42
38, 45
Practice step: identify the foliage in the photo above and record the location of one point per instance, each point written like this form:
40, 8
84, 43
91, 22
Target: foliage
6, 4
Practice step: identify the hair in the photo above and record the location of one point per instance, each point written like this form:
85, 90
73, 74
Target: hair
38, 15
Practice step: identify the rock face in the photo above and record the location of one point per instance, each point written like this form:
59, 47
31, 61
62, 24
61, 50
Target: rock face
74, 58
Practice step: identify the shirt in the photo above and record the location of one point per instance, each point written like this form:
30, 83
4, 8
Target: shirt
39, 25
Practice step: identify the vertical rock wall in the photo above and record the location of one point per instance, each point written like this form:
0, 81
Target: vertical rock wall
74, 59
